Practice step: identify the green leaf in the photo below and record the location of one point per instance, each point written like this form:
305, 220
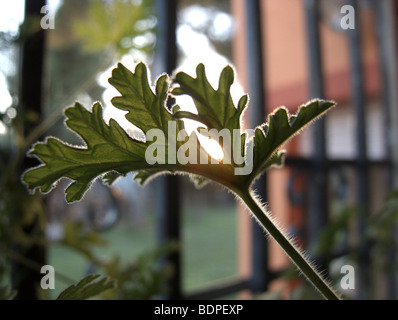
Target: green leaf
146, 109
108, 148
216, 111
88, 287
109, 152
215, 108
280, 127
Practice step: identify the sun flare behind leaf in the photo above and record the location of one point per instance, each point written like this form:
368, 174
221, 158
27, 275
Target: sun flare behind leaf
212, 147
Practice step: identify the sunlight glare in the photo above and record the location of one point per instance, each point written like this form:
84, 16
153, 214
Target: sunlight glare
3, 128
11, 15
212, 147
6, 99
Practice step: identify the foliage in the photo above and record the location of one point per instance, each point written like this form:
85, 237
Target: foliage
379, 229
143, 279
81, 240
86, 288
109, 152
118, 24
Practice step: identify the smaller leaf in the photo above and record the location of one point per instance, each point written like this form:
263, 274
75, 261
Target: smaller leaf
280, 127
215, 107
88, 287
145, 108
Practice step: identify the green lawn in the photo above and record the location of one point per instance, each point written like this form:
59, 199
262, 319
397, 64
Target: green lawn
208, 251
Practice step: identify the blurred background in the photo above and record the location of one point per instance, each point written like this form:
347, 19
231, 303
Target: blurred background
336, 193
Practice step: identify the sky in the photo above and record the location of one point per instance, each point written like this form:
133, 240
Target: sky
11, 15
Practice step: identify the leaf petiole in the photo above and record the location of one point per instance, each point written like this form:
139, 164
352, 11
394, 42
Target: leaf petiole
297, 257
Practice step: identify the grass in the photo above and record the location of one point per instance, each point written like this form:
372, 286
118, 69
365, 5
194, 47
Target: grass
208, 251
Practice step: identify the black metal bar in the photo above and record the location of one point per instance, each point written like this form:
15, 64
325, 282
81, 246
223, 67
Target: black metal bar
31, 66
314, 56
382, 24
384, 87
166, 44
26, 280
168, 195
255, 67
359, 102
317, 217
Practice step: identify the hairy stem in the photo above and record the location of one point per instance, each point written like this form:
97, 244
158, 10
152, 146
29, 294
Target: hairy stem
287, 245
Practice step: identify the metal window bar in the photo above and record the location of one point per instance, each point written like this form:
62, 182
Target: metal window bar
362, 168
168, 191
25, 280
318, 204
256, 83
383, 24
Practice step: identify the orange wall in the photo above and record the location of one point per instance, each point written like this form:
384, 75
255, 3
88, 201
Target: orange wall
285, 54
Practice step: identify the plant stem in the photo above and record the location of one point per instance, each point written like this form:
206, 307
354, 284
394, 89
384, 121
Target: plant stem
291, 250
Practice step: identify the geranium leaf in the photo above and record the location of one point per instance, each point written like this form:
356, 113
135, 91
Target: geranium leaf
109, 152
146, 109
215, 108
279, 128
108, 148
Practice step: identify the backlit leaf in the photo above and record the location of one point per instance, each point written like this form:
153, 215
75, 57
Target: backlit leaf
109, 152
